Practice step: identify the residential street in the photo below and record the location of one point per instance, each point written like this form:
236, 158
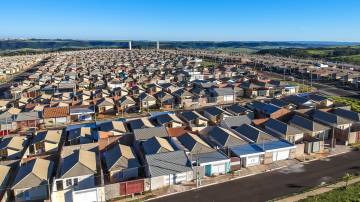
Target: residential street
271, 185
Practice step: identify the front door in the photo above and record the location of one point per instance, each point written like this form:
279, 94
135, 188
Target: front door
208, 170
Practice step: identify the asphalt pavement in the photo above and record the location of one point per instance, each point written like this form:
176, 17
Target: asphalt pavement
270, 185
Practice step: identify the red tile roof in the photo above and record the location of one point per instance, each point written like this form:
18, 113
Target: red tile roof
56, 112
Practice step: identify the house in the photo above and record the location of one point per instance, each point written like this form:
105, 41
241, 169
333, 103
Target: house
28, 120
121, 163
275, 149
255, 89
78, 169
12, 147
105, 105
348, 114
265, 110
299, 101
7, 123
56, 115
82, 113
320, 101
282, 104
201, 154
224, 138
168, 120
310, 128
147, 133
184, 98
284, 131
4, 181
341, 126
155, 145
139, 123
215, 114
32, 180
235, 121
222, 95
44, 142
125, 103
115, 127
168, 168
194, 120
81, 135
4, 105
241, 152
237, 110
165, 100
146, 101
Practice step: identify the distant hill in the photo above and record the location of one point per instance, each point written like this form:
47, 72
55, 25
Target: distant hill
30, 46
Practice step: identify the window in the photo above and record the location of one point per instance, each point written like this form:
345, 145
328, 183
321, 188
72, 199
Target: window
68, 182
59, 185
76, 181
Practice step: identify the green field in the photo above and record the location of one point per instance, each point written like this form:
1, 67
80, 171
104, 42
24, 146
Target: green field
354, 103
349, 59
352, 193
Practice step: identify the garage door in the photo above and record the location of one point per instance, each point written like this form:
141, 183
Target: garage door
228, 98
61, 120
252, 160
169, 179
85, 195
180, 177
217, 169
280, 155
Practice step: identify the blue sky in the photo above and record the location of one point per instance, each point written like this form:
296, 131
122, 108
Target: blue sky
219, 20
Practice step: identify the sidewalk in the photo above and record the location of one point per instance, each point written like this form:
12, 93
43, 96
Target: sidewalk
318, 191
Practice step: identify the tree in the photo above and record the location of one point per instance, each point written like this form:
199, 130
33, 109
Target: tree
347, 177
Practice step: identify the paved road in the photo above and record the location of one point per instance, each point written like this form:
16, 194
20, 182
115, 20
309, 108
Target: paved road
274, 184
325, 89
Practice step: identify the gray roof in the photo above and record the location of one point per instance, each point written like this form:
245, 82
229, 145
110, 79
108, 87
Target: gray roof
215, 111
147, 133
191, 116
80, 162
348, 114
328, 118
28, 116
146, 97
307, 124
221, 91
224, 137
167, 163
281, 127
236, 121
208, 157
298, 100
34, 173
126, 100
254, 134
120, 157
236, 109
194, 143
156, 145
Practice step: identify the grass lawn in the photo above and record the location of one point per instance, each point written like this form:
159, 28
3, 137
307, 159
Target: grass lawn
355, 59
355, 103
207, 63
352, 193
